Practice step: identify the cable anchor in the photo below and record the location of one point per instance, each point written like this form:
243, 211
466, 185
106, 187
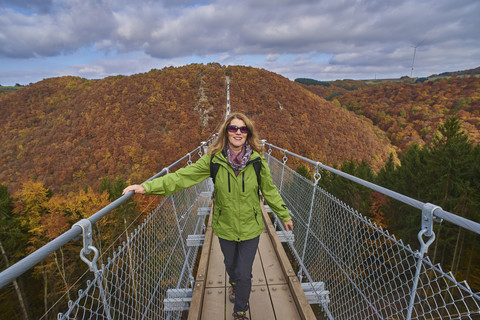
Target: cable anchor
88, 246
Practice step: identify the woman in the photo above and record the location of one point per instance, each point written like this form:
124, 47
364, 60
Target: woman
237, 218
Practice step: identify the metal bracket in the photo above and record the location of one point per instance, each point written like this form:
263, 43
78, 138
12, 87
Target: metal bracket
86, 226
202, 145
268, 209
316, 293
428, 218
286, 236
178, 299
317, 176
88, 246
203, 211
195, 240
205, 194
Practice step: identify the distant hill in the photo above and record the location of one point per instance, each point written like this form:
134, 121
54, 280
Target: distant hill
69, 132
409, 110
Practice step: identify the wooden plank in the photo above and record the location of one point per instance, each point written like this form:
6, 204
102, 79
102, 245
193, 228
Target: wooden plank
277, 245
298, 294
198, 291
228, 307
260, 303
304, 308
257, 270
196, 305
214, 304
283, 302
271, 268
216, 276
205, 255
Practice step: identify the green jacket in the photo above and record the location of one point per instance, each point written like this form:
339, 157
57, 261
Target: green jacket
237, 215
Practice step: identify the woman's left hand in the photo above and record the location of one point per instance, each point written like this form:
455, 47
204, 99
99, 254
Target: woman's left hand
288, 225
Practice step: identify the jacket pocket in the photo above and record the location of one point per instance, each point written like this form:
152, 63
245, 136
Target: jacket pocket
256, 215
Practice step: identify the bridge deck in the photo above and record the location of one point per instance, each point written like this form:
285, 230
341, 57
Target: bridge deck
276, 291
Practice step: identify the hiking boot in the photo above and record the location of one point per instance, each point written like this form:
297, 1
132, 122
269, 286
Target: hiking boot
240, 315
231, 293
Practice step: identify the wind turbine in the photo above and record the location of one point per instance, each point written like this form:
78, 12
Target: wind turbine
414, 53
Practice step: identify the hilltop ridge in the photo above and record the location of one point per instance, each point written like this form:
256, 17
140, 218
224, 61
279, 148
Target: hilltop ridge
69, 132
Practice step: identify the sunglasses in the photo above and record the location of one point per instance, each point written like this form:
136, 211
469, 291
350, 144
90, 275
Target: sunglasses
233, 129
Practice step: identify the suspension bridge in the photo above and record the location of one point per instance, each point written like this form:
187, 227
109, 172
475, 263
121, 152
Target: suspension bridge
337, 264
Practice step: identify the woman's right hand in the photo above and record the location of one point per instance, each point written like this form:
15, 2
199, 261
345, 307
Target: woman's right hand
137, 188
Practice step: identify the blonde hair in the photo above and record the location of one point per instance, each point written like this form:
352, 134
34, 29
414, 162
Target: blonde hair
222, 139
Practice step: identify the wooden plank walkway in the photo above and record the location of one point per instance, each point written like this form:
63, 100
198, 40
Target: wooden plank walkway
276, 291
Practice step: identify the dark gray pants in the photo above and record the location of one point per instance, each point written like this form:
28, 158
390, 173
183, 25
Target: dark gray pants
238, 259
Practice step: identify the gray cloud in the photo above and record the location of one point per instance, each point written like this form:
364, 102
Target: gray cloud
42, 6
360, 34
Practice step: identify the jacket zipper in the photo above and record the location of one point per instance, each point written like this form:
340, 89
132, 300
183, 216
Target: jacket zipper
243, 173
229, 182
255, 215
243, 181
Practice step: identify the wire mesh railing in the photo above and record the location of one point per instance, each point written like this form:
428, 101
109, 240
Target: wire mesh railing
366, 272
130, 282
134, 282
355, 268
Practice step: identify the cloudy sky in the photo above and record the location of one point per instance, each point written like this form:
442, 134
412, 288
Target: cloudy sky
321, 39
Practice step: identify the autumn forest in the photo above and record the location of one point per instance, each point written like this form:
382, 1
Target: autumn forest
70, 145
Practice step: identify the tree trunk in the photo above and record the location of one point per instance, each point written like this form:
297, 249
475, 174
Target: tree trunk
18, 291
61, 270
436, 244
460, 252
455, 252
45, 289
470, 261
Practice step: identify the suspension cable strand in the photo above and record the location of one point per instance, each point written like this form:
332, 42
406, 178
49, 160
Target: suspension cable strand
423, 249
312, 202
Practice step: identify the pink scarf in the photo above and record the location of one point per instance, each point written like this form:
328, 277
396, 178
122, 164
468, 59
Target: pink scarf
239, 161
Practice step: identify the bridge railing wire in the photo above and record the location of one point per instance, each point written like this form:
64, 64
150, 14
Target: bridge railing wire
357, 269
155, 246
366, 272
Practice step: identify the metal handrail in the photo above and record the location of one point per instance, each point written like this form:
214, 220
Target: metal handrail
20, 267
438, 212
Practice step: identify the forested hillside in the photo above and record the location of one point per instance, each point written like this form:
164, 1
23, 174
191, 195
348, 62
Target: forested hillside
70, 132
409, 112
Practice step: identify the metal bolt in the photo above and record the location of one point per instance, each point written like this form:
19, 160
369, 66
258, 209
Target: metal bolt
274, 289
262, 289
210, 282
294, 280
198, 284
